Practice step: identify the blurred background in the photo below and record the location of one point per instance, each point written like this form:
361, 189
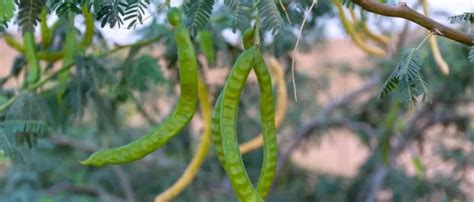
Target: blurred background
338, 142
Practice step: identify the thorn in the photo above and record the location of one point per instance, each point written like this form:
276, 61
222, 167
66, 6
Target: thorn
437, 32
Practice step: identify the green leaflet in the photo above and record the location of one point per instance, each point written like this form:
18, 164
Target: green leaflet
135, 12
198, 12
7, 8
407, 79
28, 14
463, 18
270, 15
241, 10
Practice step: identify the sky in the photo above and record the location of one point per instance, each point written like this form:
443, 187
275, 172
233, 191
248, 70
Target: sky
453, 7
333, 29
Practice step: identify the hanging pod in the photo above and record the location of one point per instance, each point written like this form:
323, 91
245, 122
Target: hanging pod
224, 119
180, 116
280, 112
200, 153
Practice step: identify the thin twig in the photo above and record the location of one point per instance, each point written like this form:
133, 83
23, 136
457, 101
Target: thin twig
300, 32
419, 122
92, 190
63, 140
142, 110
282, 6
306, 129
8, 103
123, 179
124, 182
134, 45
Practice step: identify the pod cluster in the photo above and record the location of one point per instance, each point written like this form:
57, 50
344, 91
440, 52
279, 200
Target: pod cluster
223, 121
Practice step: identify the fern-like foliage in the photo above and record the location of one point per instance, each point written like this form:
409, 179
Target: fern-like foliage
135, 11
143, 73
407, 79
111, 13
63, 8
270, 16
389, 85
198, 12
471, 55
29, 13
463, 18
7, 145
25, 132
28, 106
26, 119
241, 10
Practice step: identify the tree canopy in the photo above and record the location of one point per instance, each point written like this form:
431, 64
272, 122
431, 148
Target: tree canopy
70, 93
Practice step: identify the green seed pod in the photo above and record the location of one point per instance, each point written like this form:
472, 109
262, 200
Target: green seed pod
267, 112
249, 37
30, 53
174, 16
178, 119
207, 46
223, 127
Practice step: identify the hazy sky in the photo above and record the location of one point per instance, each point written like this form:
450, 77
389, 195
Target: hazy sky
123, 36
451, 6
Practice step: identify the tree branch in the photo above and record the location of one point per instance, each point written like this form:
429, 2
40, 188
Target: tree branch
324, 114
405, 12
124, 182
420, 121
322, 118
